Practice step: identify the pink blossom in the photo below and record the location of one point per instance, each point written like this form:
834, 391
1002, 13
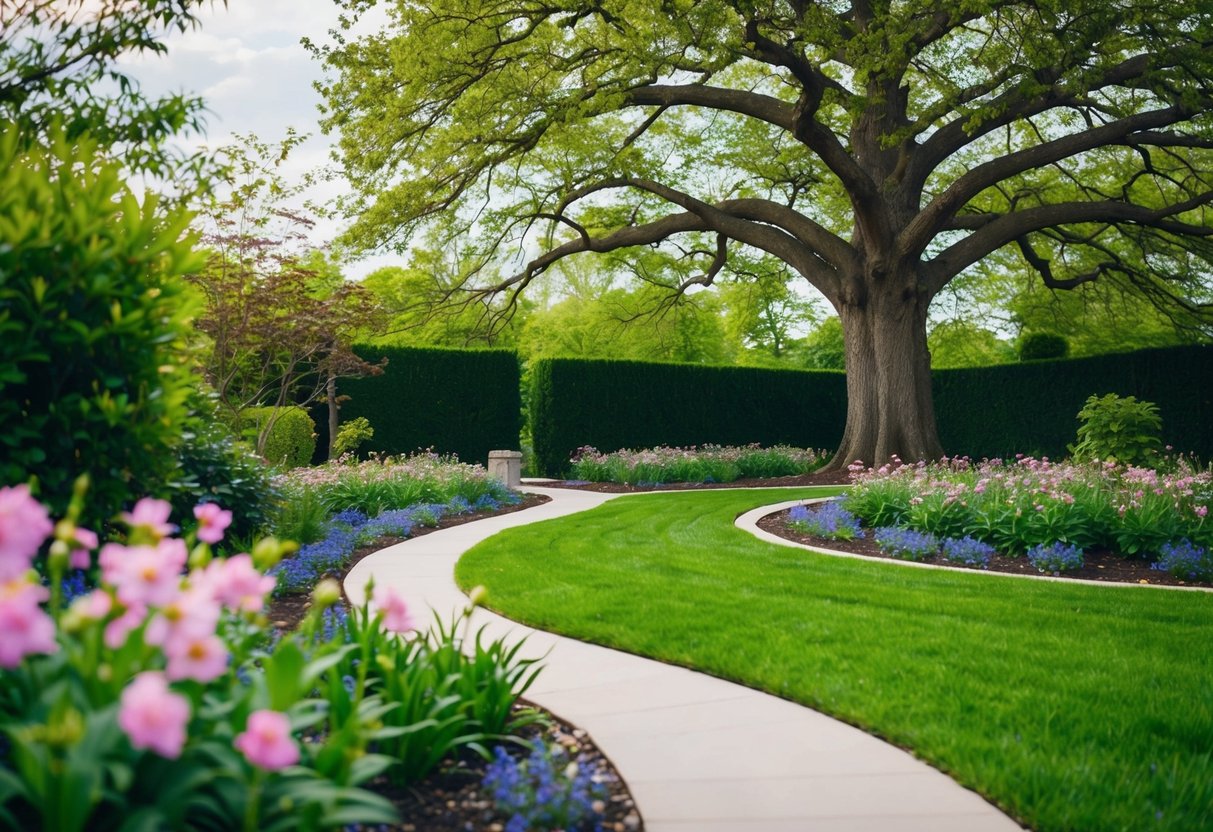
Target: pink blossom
192, 614
24, 524
85, 541
146, 574
26, 627
212, 521
116, 631
267, 742
94, 606
154, 717
201, 658
237, 584
1201, 511
396, 617
151, 516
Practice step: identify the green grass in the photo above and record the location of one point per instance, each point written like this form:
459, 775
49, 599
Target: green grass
1072, 707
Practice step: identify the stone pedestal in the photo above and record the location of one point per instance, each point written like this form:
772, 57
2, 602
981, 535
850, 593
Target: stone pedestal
507, 467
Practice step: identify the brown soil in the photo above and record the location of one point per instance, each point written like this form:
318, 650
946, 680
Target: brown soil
451, 799
1098, 565
817, 478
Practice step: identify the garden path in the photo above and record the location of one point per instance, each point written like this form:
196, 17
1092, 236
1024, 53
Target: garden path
698, 753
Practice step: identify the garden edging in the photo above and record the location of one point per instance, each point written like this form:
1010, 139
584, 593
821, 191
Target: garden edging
749, 522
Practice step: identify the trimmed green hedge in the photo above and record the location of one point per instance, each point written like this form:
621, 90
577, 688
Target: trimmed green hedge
292, 438
987, 411
1032, 408
633, 404
463, 402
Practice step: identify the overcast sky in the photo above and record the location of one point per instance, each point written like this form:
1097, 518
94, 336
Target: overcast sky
248, 65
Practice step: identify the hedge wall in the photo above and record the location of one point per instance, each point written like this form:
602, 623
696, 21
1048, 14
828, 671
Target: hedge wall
987, 411
464, 402
1032, 408
617, 404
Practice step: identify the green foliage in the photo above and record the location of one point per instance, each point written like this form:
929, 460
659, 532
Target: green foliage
351, 435
1118, 429
627, 404
301, 516
1029, 408
708, 463
213, 466
59, 69
93, 326
287, 435
825, 348
1036, 346
959, 343
463, 402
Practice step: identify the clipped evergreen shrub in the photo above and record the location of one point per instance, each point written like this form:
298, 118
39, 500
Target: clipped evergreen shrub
463, 402
1038, 346
633, 404
94, 322
1030, 408
291, 440
216, 467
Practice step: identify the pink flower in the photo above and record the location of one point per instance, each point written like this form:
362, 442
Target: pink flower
151, 516
267, 742
153, 716
146, 574
212, 521
237, 584
86, 541
201, 658
192, 614
26, 628
396, 617
1201, 511
117, 630
24, 524
94, 606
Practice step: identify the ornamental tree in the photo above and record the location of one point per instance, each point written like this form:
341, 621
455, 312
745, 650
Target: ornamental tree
877, 148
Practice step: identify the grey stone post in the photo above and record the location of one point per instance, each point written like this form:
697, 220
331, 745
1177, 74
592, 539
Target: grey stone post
507, 467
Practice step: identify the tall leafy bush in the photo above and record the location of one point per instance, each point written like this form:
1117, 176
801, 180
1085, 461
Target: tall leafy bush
93, 325
289, 434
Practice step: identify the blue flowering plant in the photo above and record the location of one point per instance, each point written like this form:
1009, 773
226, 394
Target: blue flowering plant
967, 551
830, 521
1186, 561
906, 544
546, 791
1055, 557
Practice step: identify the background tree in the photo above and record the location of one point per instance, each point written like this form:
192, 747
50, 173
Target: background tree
763, 315
280, 320
59, 65
879, 149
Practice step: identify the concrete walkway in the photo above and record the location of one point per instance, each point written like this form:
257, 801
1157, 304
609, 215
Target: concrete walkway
699, 754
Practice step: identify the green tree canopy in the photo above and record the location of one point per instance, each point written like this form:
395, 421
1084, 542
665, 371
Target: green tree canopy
877, 148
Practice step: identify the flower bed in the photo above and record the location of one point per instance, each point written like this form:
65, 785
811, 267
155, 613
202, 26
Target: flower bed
704, 463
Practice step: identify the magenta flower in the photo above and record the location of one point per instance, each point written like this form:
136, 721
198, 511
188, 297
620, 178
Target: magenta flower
85, 541
201, 658
396, 617
267, 741
24, 524
212, 521
94, 606
154, 717
192, 614
151, 516
26, 627
116, 631
237, 584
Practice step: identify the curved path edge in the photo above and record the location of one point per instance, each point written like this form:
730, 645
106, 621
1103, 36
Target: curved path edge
749, 522
697, 752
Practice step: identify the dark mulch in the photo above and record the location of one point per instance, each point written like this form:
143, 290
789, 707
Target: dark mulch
450, 799
816, 478
1098, 565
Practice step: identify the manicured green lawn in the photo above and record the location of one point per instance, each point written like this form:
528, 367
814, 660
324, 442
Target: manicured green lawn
1072, 707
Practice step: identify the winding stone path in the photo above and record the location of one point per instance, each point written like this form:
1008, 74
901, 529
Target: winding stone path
699, 754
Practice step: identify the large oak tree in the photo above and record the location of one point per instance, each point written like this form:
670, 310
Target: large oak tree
878, 148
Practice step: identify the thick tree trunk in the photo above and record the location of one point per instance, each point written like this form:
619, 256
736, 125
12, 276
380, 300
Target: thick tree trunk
890, 410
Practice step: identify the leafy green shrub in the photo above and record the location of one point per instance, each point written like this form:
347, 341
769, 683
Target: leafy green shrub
708, 463
291, 440
1038, 346
94, 321
1118, 429
301, 517
351, 435
213, 466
